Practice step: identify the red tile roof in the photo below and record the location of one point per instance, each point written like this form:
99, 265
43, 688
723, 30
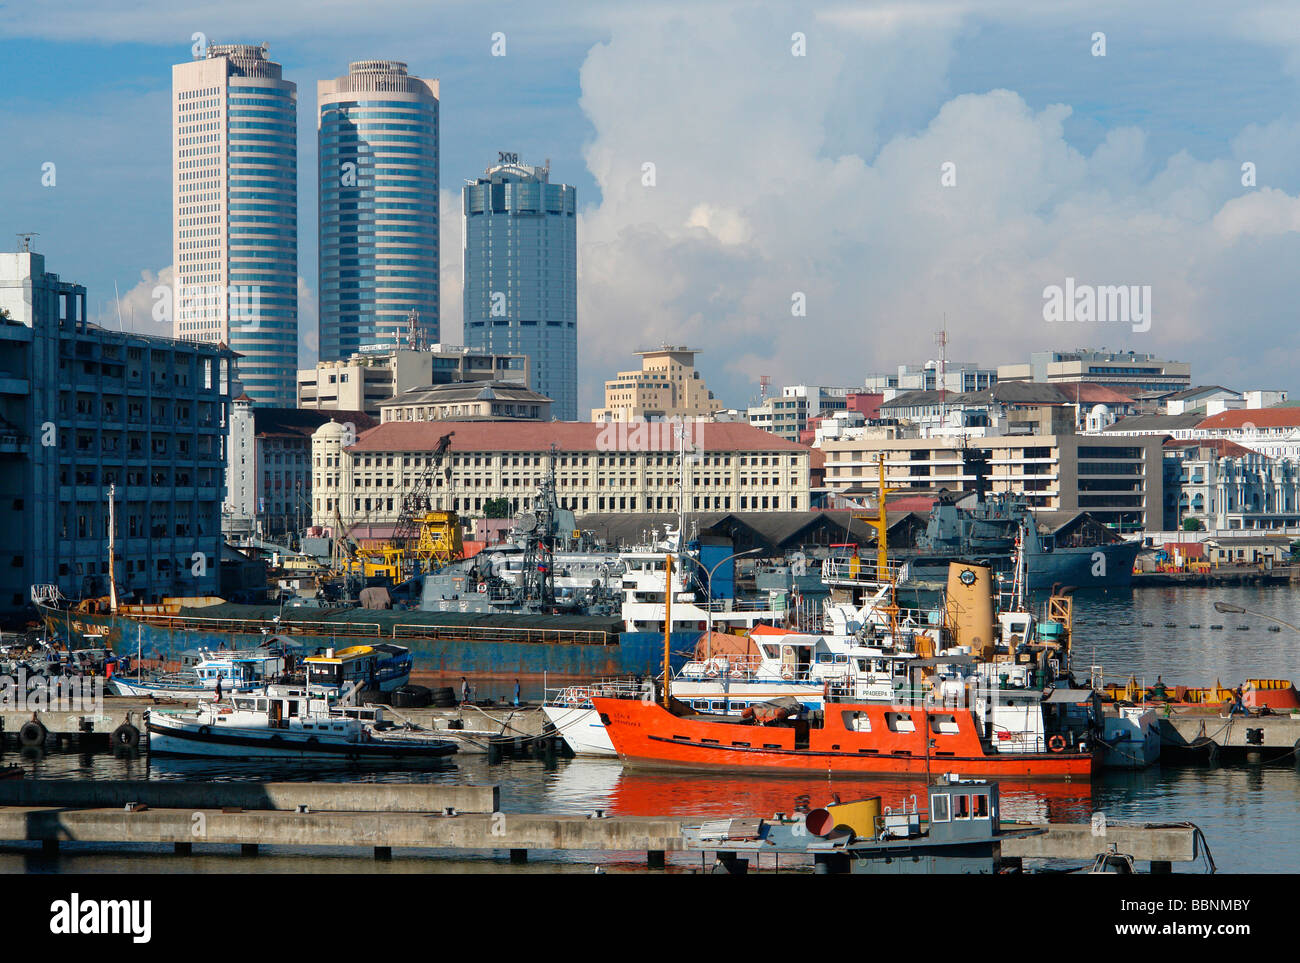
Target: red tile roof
1224, 447
568, 436
1090, 393
1259, 417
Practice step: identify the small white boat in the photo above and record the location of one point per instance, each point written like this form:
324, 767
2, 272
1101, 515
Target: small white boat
570, 711
290, 722
237, 671
1131, 738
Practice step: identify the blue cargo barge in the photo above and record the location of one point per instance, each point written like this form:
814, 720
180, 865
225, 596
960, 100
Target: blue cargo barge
489, 644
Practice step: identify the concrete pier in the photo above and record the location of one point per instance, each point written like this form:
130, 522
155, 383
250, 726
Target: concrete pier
1272, 736
374, 817
315, 796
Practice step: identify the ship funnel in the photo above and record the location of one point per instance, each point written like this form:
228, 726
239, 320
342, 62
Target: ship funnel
970, 608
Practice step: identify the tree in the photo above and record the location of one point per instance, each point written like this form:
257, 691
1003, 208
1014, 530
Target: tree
1192, 525
496, 508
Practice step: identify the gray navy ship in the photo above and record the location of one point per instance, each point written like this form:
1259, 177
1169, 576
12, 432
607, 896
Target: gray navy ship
988, 532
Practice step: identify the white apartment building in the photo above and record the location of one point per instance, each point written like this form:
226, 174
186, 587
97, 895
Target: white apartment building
1118, 480
934, 375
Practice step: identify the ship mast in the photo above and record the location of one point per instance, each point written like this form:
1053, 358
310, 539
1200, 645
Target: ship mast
668, 625
112, 561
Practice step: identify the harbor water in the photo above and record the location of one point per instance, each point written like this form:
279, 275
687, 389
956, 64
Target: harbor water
1250, 813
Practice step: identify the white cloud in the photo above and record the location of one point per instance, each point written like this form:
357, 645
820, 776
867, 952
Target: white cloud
751, 204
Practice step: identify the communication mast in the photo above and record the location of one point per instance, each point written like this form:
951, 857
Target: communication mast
941, 339
414, 332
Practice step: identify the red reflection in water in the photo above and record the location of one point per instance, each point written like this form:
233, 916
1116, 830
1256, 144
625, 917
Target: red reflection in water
681, 794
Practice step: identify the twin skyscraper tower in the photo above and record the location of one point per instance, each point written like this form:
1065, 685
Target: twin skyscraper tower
235, 241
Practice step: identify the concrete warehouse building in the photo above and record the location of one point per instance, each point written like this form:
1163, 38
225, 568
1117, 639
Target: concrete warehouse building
83, 408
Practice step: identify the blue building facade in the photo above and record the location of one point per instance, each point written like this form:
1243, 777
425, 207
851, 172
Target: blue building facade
377, 130
521, 275
85, 411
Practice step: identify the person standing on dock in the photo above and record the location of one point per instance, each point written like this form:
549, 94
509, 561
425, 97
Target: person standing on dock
464, 690
218, 688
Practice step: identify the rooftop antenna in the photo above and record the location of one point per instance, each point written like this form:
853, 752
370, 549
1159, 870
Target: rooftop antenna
941, 339
118, 295
25, 240
414, 335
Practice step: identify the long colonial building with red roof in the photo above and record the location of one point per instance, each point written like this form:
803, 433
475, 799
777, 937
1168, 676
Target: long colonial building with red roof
616, 467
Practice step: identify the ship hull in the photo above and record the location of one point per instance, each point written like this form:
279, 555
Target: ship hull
582, 730
178, 740
650, 737
1093, 567
435, 650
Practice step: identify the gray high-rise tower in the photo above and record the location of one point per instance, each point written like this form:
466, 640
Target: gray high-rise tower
521, 274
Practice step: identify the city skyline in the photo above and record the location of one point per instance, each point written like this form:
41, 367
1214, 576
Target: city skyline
1067, 165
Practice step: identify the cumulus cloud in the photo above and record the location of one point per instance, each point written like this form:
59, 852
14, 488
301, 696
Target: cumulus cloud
755, 201
133, 309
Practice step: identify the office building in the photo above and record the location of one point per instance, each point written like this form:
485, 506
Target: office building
377, 134
235, 206
1118, 480
369, 378
521, 274
1125, 371
668, 385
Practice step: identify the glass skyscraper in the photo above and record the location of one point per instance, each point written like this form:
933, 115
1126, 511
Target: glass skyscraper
235, 204
521, 275
377, 130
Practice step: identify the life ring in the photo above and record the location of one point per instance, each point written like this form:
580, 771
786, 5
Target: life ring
482, 588
787, 671
1056, 743
711, 670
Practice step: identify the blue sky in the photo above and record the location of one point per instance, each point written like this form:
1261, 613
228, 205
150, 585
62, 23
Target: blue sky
776, 174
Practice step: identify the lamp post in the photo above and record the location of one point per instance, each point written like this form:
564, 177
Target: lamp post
708, 592
1227, 608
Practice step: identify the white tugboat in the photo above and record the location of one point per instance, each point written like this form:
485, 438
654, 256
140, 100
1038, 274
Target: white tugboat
290, 722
